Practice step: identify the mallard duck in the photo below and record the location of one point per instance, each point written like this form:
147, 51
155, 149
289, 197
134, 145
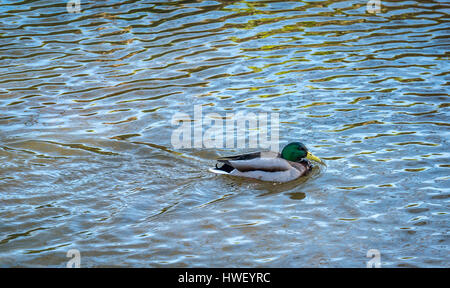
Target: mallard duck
286, 166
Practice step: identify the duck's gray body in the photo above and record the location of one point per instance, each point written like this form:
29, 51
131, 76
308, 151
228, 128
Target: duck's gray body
265, 166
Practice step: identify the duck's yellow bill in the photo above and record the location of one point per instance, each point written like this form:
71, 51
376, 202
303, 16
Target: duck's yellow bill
310, 156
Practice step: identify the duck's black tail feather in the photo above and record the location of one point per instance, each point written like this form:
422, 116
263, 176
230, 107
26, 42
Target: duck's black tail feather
225, 167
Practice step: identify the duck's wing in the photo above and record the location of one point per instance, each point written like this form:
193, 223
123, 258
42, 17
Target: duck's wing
258, 161
249, 156
303, 167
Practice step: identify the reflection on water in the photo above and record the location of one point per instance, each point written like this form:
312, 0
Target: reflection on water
86, 158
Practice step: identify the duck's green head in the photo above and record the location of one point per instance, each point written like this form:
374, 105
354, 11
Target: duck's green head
296, 151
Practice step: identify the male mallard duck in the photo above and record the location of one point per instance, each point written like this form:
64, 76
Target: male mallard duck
286, 166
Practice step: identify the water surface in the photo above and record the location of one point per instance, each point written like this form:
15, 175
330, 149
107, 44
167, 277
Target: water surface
86, 161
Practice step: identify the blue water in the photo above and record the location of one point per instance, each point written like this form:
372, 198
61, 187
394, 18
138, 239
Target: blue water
87, 163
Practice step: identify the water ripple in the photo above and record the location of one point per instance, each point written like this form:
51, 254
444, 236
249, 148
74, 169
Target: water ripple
85, 128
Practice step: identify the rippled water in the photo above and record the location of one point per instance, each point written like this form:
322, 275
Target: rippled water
86, 102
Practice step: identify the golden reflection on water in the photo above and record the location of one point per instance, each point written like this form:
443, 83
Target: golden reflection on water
86, 102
